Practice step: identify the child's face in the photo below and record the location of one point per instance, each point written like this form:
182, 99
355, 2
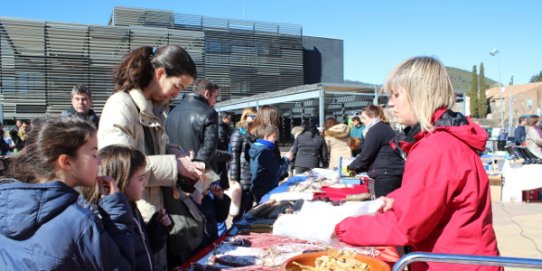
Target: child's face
272, 137
86, 164
136, 185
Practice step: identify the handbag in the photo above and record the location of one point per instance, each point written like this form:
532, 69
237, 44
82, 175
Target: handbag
189, 221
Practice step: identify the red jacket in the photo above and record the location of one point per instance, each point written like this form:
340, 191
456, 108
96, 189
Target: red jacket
443, 205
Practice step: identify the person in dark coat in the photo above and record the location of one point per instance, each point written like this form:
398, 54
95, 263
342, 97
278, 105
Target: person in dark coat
239, 166
519, 132
224, 134
309, 149
382, 163
193, 125
215, 205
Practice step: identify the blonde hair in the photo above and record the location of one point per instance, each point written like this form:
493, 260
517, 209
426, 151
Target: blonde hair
427, 84
247, 111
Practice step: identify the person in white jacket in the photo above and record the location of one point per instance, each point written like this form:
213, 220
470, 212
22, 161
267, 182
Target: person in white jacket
145, 80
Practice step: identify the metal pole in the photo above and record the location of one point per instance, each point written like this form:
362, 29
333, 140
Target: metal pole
502, 106
510, 97
321, 104
493, 53
466, 259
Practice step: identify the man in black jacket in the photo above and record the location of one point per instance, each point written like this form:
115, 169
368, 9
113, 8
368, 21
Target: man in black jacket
193, 124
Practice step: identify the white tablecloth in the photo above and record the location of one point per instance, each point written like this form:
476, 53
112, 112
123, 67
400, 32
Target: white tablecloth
518, 179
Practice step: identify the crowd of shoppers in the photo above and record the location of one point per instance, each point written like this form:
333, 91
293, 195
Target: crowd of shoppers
154, 177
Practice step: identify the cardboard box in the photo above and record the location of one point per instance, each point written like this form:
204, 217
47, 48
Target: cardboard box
496, 192
495, 180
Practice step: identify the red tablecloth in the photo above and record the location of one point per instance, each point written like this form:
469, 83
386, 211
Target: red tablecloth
338, 194
387, 254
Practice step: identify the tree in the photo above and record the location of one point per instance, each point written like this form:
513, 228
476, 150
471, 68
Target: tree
473, 93
482, 98
536, 78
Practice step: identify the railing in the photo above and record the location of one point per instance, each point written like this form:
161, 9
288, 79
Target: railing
467, 259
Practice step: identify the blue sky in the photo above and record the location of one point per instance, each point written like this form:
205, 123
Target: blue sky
377, 34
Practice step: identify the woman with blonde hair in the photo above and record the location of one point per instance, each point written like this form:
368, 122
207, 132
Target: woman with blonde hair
443, 204
239, 165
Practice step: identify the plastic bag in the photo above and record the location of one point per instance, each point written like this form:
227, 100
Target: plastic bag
234, 192
316, 220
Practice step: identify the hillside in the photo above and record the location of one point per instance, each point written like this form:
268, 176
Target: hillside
460, 79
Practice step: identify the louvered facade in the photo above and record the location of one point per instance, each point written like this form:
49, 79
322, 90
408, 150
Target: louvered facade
41, 61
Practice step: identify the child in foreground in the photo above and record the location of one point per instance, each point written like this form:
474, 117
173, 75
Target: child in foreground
44, 223
127, 168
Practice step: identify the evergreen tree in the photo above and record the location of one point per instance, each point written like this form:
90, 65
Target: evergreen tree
473, 93
482, 98
536, 78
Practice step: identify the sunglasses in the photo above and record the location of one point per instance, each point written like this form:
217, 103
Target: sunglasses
252, 116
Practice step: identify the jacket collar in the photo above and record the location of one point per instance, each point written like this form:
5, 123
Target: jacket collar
148, 111
195, 96
443, 120
403, 141
72, 111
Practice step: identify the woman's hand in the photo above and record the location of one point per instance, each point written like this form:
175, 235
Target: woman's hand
189, 169
106, 185
388, 204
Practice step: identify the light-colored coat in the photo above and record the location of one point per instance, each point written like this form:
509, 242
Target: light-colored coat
337, 138
533, 140
122, 121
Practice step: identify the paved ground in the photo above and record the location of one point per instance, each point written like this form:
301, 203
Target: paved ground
519, 229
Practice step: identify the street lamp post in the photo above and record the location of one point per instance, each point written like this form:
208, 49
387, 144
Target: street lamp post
494, 52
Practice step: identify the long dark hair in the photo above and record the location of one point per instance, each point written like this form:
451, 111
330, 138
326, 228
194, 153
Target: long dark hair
137, 67
45, 143
265, 115
309, 126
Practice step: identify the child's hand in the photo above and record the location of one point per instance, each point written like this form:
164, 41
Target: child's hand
164, 219
217, 191
106, 185
290, 156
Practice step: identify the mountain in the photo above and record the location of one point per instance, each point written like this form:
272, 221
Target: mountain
460, 79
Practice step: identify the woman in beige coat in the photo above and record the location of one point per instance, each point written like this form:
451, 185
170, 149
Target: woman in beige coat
533, 138
337, 137
145, 81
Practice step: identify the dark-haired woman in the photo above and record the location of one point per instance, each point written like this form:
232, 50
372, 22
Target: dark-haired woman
145, 80
309, 149
382, 163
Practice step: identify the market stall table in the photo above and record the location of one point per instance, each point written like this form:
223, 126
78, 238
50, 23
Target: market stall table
247, 249
518, 178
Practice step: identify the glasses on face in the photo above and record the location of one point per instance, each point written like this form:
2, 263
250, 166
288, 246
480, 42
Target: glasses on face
253, 116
